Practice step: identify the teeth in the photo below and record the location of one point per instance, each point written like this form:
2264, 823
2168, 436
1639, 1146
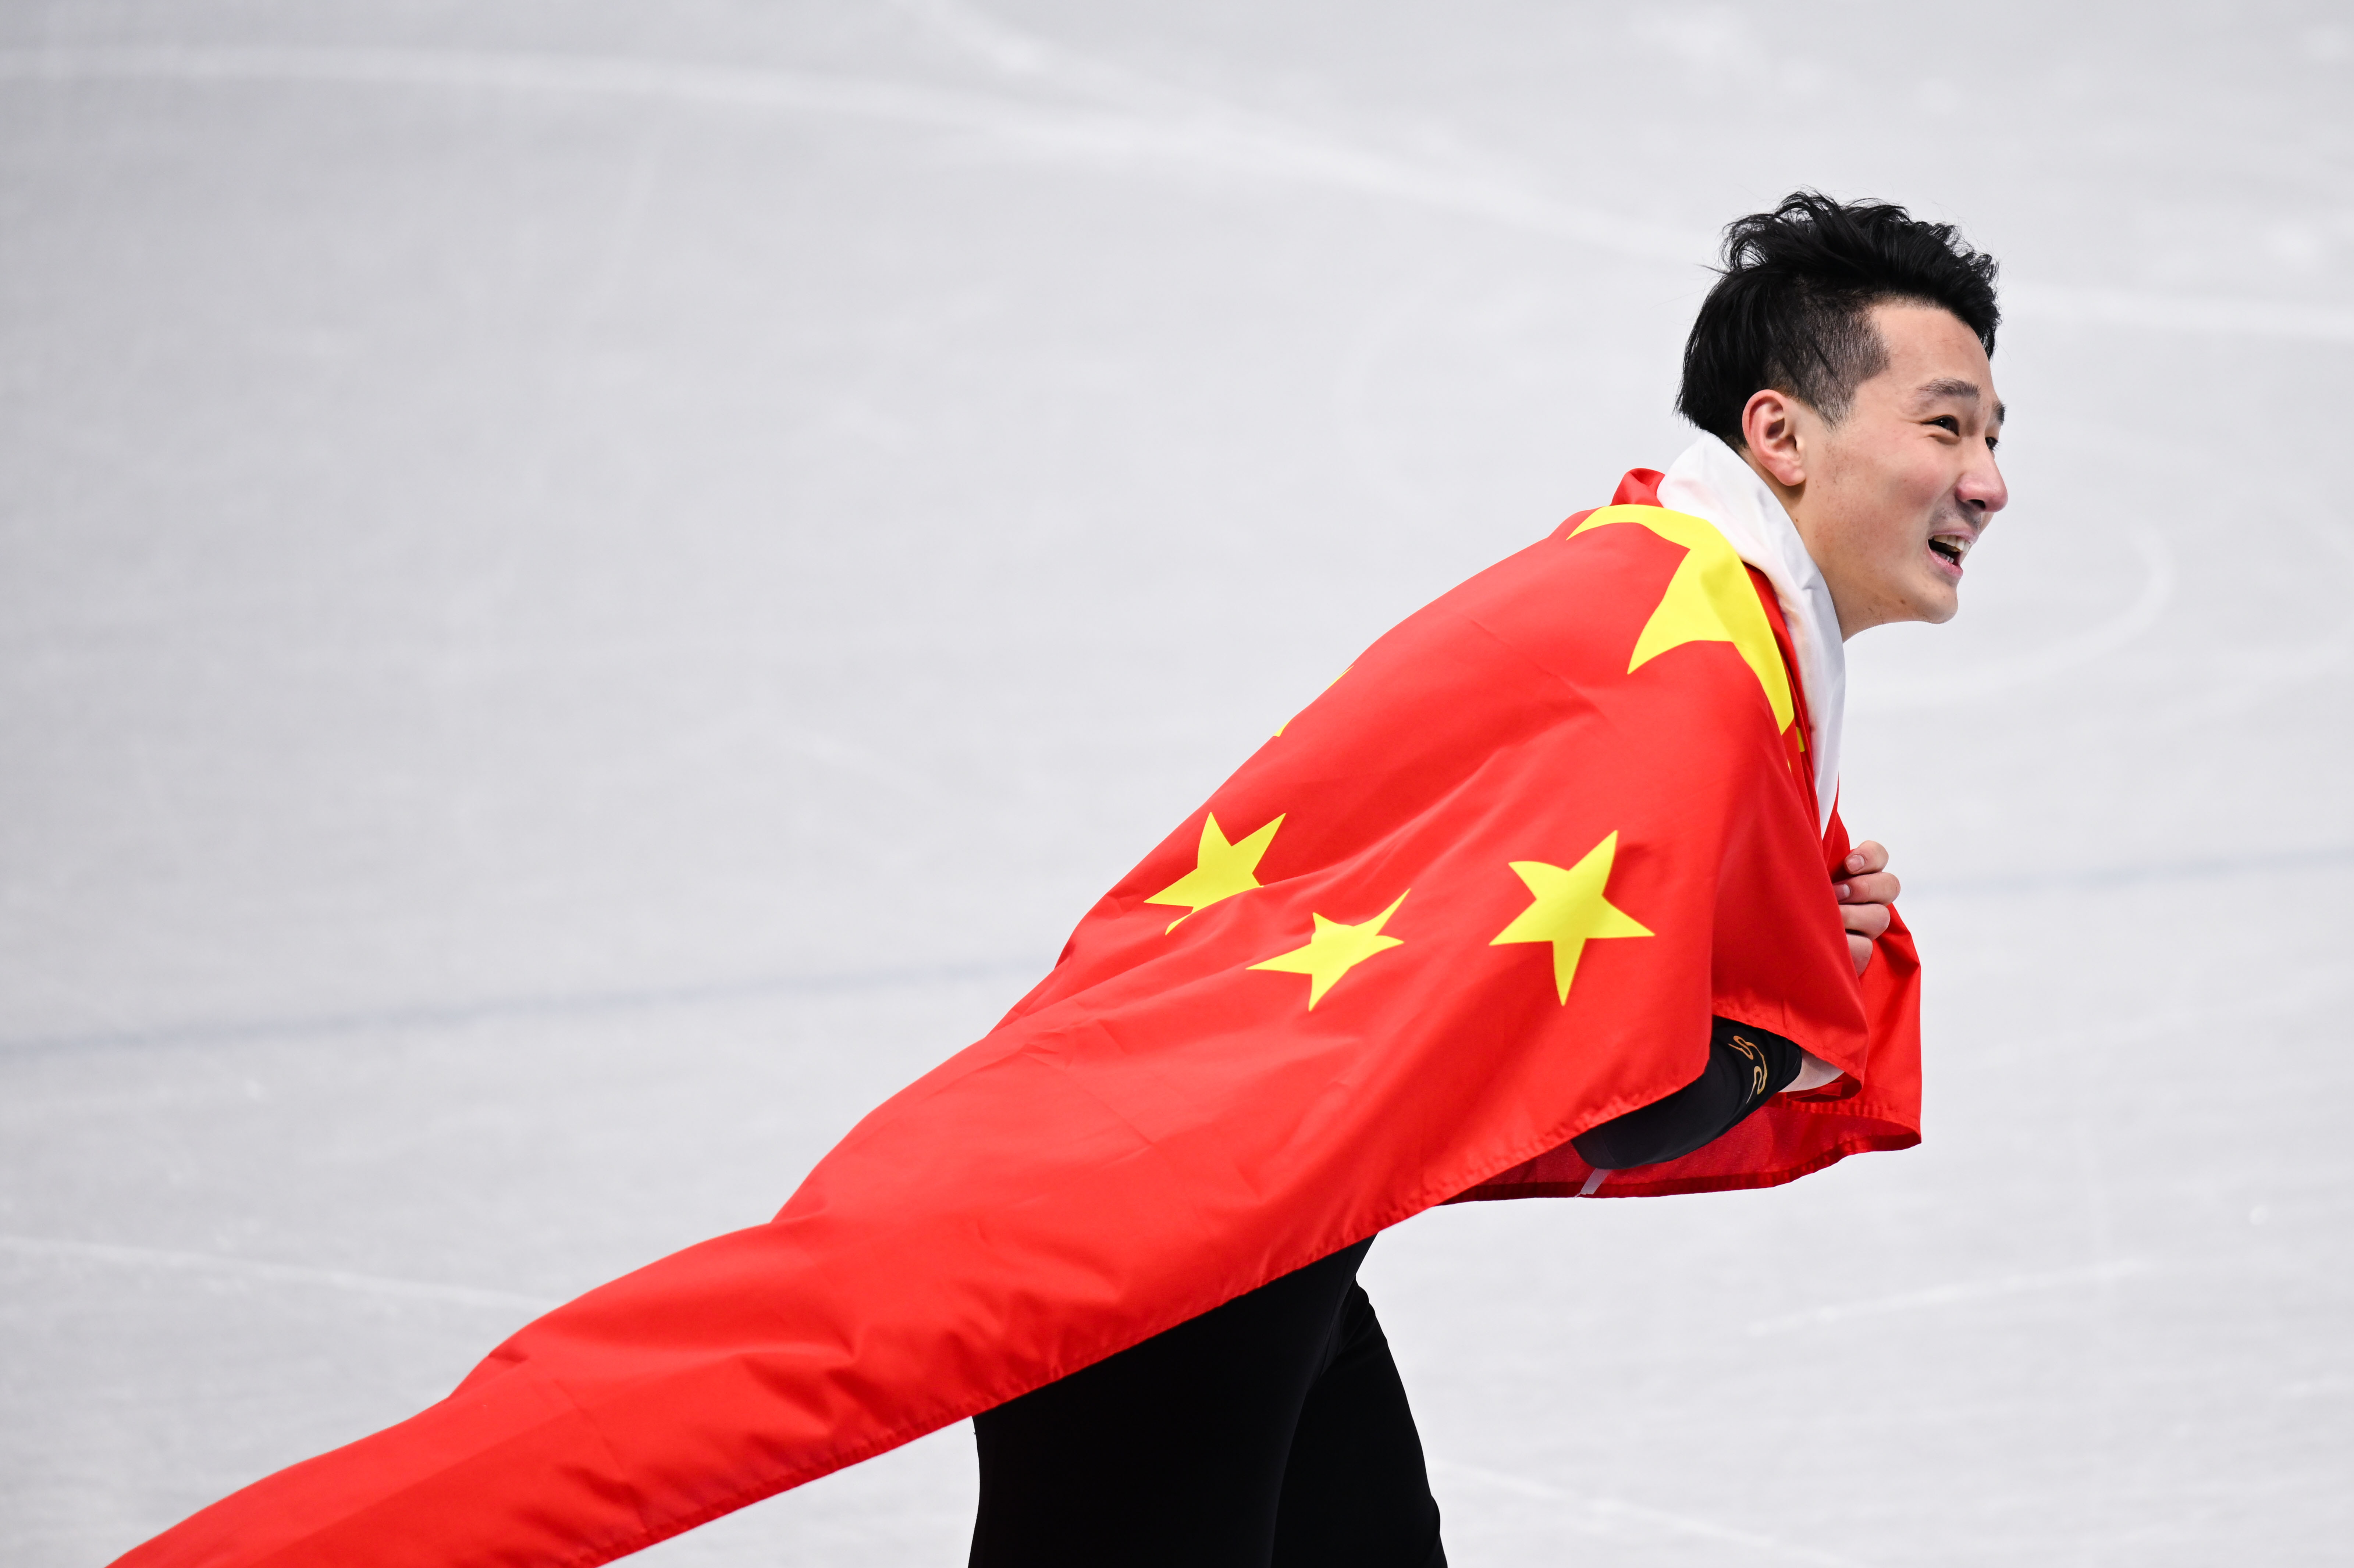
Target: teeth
1952, 546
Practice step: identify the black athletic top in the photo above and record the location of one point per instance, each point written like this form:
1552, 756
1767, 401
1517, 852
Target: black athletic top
1746, 1068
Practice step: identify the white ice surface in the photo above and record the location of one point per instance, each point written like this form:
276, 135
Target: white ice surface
585, 589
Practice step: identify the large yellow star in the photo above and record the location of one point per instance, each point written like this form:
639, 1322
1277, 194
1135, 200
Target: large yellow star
1335, 950
1220, 870
1570, 910
1710, 599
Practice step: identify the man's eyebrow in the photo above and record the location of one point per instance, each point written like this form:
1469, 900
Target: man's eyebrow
1955, 386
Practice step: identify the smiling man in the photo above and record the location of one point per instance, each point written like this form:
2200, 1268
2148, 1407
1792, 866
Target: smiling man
1839, 370
1548, 895
1844, 357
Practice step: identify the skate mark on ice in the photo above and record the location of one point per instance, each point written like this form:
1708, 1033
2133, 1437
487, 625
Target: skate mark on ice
1955, 1294
396, 1018
1195, 130
1033, 57
1610, 1517
255, 1269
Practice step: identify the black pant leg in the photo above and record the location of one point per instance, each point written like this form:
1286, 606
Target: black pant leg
1355, 1493
1173, 1453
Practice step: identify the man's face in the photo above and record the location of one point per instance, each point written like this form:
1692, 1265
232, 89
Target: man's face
1891, 498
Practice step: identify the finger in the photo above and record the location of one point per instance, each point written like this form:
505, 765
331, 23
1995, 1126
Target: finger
1864, 919
1879, 887
1869, 856
1861, 950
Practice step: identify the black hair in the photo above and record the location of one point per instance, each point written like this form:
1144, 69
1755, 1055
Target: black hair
1791, 309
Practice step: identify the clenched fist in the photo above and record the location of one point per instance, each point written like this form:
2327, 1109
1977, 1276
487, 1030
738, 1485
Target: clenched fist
1864, 896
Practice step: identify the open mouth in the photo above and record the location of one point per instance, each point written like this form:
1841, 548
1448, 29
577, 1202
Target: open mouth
1950, 549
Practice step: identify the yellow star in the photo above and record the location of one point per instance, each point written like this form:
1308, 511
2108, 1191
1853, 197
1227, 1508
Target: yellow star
1220, 870
1570, 909
1335, 950
1710, 599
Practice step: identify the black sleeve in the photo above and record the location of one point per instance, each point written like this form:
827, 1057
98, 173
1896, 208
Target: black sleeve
1746, 1068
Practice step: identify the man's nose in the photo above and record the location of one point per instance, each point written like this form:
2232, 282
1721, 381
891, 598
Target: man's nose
1982, 489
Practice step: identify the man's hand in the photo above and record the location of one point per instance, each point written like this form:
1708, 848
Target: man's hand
1864, 897
1864, 894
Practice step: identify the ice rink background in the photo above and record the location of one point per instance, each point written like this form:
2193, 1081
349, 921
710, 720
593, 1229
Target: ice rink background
585, 589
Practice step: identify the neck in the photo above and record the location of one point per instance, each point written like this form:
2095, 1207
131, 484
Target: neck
1793, 498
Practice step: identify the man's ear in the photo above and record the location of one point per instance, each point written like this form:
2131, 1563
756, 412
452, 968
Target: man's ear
1769, 425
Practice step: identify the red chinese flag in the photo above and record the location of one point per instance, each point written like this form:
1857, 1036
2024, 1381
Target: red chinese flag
1482, 895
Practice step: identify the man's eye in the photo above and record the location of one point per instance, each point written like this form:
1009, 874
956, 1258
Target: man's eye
1948, 423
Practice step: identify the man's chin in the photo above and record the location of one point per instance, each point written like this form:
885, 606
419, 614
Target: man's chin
1931, 599
1938, 608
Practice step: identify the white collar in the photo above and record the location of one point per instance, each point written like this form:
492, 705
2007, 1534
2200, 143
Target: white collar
1711, 482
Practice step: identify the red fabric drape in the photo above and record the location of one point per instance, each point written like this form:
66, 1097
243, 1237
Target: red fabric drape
1167, 1121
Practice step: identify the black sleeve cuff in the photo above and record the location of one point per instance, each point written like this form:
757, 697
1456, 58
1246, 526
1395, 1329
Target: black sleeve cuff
1746, 1068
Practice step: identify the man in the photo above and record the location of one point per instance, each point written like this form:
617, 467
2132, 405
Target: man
1839, 370
1547, 896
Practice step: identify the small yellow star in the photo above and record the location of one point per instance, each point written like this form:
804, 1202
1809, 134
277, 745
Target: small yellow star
1220, 870
1570, 910
1335, 950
